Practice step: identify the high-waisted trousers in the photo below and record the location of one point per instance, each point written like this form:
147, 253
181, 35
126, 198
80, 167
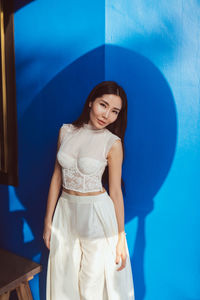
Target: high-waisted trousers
81, 264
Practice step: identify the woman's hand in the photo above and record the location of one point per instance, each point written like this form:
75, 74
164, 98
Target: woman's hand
121, 252
47, 234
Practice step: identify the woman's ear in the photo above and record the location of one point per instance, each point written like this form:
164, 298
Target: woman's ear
90, 104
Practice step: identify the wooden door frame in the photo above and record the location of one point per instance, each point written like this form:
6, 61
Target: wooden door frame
8, 107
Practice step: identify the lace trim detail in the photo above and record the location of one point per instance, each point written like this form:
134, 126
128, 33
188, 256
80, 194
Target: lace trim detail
72, 179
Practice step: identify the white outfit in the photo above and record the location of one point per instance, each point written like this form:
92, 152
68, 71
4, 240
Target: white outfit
84, 233
83, 156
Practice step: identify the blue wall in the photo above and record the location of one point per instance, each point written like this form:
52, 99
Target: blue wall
152, 47
62, 50
59, 53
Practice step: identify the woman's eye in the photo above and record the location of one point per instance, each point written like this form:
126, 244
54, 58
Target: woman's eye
103, 104
116, 112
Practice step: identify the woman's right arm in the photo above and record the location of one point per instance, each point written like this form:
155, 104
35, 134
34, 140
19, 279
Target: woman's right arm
52, 199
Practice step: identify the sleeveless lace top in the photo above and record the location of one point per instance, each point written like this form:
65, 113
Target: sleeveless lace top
83, 156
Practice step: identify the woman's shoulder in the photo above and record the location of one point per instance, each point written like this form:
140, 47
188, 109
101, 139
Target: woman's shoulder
112, 135
65, 128
66, 125
111, 138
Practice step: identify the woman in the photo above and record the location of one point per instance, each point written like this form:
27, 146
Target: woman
89, 257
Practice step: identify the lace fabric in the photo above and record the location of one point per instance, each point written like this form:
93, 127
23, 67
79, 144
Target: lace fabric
83, 156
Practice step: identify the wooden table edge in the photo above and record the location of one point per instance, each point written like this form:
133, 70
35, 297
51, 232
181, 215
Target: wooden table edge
11, 286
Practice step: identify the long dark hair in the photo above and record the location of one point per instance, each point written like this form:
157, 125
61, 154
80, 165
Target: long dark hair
118, 127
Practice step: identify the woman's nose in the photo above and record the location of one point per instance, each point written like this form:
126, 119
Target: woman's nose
106, 113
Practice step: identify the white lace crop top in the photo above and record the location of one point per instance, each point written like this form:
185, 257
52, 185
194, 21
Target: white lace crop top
83, 156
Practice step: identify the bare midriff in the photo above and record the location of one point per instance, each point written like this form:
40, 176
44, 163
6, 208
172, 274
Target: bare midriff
83, 194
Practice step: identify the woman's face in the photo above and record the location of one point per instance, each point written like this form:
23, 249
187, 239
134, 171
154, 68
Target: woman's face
104, 110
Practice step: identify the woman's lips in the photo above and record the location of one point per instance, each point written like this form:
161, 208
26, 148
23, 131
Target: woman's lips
101, 122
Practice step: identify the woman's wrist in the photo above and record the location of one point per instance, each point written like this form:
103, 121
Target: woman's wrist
122, 235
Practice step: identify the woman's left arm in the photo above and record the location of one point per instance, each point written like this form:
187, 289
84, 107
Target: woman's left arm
115, 158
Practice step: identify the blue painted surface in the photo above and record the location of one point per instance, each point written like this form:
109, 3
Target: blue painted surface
51, 35
151, 49
59, 52
151, 142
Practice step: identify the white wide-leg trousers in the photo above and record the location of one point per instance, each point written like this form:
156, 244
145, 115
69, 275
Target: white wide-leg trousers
81, 263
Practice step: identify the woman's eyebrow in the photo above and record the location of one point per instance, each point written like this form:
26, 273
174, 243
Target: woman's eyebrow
108, 104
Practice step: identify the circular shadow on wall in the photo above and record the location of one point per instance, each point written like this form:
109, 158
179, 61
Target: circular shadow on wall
151, 127
149, 144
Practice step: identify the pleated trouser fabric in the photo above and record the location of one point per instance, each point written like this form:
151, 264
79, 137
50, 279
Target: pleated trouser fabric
81, 264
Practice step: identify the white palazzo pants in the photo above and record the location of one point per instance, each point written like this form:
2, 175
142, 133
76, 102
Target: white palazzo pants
81, 263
